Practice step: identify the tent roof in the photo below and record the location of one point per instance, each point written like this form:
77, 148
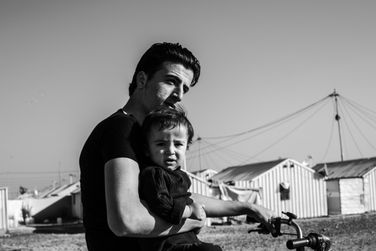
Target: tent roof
245, 172
348, 169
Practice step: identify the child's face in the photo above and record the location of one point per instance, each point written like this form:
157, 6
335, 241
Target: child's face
167, 147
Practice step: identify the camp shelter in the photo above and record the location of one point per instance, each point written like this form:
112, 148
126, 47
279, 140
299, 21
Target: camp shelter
76, 204
285, 185
351, 185
51, 204
204, 174
203, 185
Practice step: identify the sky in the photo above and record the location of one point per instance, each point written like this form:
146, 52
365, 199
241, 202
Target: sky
66, 65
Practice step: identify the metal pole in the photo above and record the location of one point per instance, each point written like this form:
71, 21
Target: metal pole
337, 117
199, 151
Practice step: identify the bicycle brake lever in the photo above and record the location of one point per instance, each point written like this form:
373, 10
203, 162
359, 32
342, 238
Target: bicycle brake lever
261, 229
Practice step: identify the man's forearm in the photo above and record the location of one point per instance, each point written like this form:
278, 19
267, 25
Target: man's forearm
219, 208
161, 228
148, 225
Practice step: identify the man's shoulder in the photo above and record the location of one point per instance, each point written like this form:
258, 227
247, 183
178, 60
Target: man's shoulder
119, 115
118, 120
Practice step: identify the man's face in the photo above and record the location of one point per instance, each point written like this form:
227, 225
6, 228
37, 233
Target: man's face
167, 147
167, 86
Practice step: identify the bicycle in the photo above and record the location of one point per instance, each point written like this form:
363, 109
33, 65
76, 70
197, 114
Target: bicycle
315, 241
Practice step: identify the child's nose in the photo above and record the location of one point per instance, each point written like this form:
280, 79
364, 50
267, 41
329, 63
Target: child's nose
171, 149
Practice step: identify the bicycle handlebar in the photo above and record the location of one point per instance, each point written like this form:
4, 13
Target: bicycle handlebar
315, 241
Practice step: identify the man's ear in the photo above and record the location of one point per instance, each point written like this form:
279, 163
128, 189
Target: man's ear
147, 154
141, 79
145, 147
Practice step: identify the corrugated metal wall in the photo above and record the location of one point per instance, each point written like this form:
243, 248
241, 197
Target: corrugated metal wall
307, 190
3, 210
199, 185
370, 190
352, 196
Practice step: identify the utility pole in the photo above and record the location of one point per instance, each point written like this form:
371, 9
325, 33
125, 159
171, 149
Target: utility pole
199, 151
59, 173
337, 118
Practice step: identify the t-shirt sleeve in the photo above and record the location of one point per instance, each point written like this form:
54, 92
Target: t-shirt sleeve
154, 190
118, 139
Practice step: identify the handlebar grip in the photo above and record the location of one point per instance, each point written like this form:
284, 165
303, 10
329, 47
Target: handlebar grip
297, 243
313, 240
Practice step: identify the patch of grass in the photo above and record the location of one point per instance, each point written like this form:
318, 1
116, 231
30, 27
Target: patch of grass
355, 232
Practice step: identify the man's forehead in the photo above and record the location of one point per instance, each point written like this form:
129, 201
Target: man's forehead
176, 69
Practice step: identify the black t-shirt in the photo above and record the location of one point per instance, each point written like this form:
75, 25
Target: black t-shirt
116, 136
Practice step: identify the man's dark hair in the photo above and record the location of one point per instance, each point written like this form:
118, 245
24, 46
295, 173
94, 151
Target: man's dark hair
166, 118
159, 53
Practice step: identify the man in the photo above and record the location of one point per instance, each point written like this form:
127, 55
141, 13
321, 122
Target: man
113, 213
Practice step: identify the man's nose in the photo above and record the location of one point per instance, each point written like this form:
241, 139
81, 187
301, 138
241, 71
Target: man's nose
178, 93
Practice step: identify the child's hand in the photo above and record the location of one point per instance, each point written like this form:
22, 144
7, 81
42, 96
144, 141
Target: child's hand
198, 212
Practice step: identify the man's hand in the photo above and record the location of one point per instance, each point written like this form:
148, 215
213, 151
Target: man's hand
198, 212
264, 216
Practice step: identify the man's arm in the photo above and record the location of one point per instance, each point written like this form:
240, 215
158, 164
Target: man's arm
219, 208
126, 215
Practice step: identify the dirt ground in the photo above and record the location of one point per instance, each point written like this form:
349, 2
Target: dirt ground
355, 232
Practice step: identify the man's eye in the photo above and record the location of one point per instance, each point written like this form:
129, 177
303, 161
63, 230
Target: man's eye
170, 82
185, 89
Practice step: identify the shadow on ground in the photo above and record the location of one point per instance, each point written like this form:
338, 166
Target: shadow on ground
65, 228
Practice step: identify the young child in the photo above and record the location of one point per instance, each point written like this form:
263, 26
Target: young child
163, 185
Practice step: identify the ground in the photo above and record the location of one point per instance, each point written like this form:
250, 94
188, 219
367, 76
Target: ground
354, 232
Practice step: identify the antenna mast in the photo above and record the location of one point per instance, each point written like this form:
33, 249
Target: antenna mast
337, 117
199, 151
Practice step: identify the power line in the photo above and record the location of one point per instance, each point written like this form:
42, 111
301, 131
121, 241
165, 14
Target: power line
358, 129
285, 136
264, 128
270, 123
348, 129
329, 142
339, 106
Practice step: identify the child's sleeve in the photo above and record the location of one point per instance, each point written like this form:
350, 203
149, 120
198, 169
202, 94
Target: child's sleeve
154, 189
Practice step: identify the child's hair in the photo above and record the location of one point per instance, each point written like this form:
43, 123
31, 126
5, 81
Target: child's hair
166, 118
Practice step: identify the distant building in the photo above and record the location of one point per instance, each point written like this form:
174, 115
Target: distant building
76, 204
285, 185
351, 185
205, 174
49, 205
